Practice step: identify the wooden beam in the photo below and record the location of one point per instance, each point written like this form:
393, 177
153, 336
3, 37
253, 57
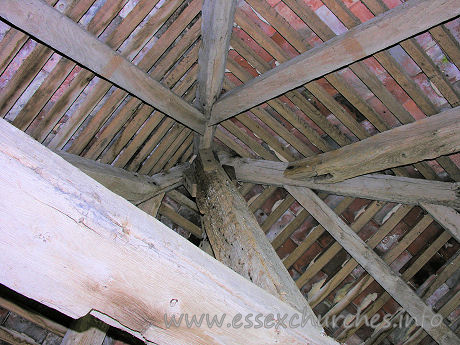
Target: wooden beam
86, 331
131, 186
429, 138
69, 39
236, 237
381, 32
33, 317
374, 265
184, 223
152, 205
447, 217
15, 338
390, 188
71, 244
216, 29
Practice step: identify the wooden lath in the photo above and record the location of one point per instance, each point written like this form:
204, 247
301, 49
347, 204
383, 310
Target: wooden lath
253, 144
184, 70
338, 81
100, 58
396, 24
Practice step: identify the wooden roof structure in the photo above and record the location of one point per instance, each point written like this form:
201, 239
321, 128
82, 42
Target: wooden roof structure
311, 146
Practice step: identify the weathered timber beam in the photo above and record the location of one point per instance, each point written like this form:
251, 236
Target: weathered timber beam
131, 186
73, 245
15, 338
236, 237
33, 316
447, 217
406, 20
429, 138
152, 205
86, 331
48, 25
374, 265
216, 29
374, 186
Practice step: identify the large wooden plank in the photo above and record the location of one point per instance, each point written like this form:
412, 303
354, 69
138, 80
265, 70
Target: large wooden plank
131, 186
71, 244
374, 265
381, 32
236, 237
68, 38
390, 188
428, 138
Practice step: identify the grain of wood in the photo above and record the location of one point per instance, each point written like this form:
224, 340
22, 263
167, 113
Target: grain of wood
237, 239
374, 265
373, 186
60, 213
429, 138
98, 57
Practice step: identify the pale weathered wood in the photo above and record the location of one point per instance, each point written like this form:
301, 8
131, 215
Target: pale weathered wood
216, 29
68, 38
374, 186
86, 331
447, 217
152, 205
428, 138
374, 265
236, 237
404, 21
131, 186
71, 244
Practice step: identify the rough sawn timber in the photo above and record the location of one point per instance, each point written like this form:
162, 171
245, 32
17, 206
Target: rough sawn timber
406, 20
73, 245
428, 138
71, 40
131, 186
390, 188
236, 237
423, 315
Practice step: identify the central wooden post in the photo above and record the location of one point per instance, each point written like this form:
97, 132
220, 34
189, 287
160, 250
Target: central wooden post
237, 239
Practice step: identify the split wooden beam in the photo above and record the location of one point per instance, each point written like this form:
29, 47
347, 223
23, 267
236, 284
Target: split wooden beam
216, 30
389, 188
236, 237
135, 188
375, 266
71, 40
73, 245
398, 24
428, 138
